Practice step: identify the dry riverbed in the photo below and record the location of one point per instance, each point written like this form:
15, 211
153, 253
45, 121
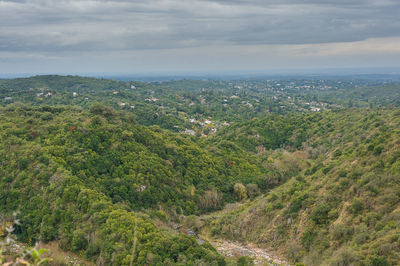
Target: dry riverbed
235, 250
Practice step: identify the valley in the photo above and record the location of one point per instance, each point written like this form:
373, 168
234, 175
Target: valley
201, 172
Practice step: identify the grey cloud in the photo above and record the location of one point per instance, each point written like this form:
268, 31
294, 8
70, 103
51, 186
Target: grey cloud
72, 26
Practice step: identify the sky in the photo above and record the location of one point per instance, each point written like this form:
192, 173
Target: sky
189, 36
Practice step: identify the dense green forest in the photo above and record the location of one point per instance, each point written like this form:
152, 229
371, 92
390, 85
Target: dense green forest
136, 173
91, 166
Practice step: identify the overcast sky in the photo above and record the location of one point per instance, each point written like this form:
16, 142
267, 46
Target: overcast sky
57, 36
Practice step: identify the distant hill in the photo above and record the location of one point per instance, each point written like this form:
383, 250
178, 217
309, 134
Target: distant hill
182, 105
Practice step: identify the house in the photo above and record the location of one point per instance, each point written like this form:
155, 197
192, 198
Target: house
74, 94
151, 99
190, 132
141, 188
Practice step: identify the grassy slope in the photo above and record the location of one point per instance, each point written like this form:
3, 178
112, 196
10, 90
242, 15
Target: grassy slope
342, 207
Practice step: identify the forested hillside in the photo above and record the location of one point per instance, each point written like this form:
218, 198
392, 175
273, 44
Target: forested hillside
341, 205
79, 177
134, 173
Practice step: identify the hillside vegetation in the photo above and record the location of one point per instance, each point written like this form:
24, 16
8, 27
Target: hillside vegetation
187, 104
79, 177
341, 206
132, 173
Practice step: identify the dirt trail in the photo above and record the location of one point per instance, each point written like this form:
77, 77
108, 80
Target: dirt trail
261, 256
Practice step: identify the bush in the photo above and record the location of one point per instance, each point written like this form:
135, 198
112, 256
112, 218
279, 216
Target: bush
244, 261
342, 232
210, 200
297, 203
92, 251
357, 206
343, 257
79, 241
321, 214
99, 109
193, 222
239, 191
337, 153
308, 238
23, 163
161, 215
293, 251
362, 234
215, 230
378, 150
378, 261
252, 190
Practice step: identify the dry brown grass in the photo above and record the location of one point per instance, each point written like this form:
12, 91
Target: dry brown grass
61, 257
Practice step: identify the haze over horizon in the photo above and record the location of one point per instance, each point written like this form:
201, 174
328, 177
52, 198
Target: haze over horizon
170, 36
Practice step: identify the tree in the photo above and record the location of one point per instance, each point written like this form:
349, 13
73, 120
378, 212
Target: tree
239, 191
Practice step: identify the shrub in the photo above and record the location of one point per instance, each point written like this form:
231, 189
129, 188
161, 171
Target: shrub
92, 250
357, 206
308, 238
293, 251
378, 150
321, 214
161, 215
193, 222
378, 261
239, 191
337, 153
252, 190
244, 261
342, 232
215, 230
297, 203
342, 173
277, 205
79, 241
210, 200
343, 257
23, 163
